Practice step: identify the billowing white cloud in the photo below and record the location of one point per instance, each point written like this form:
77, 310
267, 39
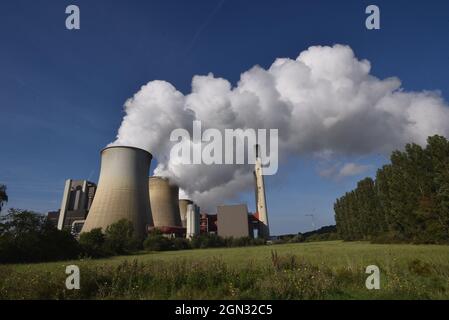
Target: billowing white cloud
324, 102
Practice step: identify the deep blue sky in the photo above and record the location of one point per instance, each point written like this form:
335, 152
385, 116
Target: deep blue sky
62, 92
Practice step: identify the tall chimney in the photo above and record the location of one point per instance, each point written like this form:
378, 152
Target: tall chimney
261, 203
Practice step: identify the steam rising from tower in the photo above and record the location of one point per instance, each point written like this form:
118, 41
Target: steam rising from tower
325, 103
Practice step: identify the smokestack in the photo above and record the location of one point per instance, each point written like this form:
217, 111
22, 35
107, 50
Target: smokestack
164, 202
193, 221
122, 191
261, 202
183, 203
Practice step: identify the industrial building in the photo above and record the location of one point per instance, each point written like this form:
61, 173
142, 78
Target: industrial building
53, 217
122, 191
232, 221
76, 202
193, 221
208, 223
126, 192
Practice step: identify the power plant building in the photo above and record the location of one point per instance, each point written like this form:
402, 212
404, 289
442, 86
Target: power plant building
232, 221
76, 202
53, 217
193, 221
126, 192
122, 191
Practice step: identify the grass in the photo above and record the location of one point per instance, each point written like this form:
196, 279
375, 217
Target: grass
320, 270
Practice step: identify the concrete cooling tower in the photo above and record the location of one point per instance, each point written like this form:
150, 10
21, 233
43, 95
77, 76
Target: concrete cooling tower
122, 191
183, 203
164, 202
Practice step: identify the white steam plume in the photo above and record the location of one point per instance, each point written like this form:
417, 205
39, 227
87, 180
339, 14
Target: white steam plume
325, 101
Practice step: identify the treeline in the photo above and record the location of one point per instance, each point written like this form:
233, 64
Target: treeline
407, 202
326, 233
27, 236
96, 244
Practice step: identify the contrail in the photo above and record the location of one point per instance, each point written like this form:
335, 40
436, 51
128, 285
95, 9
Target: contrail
204, 25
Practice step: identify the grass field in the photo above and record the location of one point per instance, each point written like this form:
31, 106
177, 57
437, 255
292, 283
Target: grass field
320, 270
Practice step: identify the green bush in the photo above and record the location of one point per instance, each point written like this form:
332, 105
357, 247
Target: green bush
322, 237
120, 239
207, 241
26, 236
92, 243
181, 244
157, 242
297, 239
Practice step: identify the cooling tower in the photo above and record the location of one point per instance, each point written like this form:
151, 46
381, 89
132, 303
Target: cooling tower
183, 203
122, 191
164, 202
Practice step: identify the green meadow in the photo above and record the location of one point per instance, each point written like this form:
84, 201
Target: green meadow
316, 270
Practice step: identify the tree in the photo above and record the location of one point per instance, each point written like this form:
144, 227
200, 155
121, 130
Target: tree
157, 242
3, 196
92, 243
408, 201
120, 237
438, 150
26, 236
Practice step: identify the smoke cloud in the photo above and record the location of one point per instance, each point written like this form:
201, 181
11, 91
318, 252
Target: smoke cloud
324, 102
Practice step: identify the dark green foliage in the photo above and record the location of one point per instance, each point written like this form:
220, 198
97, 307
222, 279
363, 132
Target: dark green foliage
408, 201
120, 239
26, 236
330, 236
207, 241
241, 242
214, 241
325, 233
92, 243
181, 244
157, 242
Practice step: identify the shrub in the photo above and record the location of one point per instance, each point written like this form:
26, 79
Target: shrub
322, 237
297, 239
157, 242
207, 241
92, 243
26, 236
181, 244
120, 238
